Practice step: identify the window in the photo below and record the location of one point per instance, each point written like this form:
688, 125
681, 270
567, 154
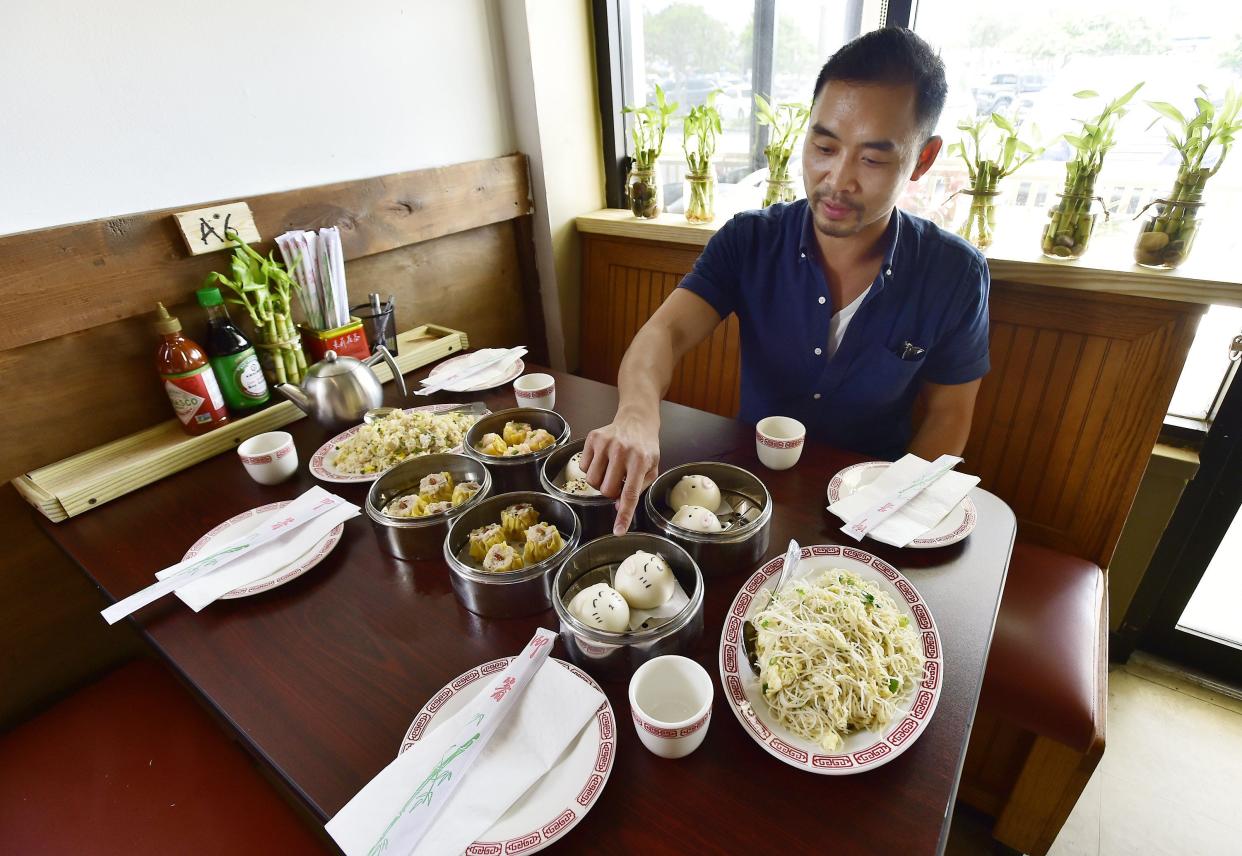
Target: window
691, 48
1027, 61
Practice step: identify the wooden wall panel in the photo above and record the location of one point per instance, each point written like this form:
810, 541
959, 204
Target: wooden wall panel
624, 282
1068, 416
116, 268
71, 393
1064, 424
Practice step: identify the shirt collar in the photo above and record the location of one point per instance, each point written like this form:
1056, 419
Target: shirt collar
807, 246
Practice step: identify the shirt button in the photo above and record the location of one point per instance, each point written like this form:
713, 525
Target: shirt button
815, 396
823, 300
818, 351
802, 255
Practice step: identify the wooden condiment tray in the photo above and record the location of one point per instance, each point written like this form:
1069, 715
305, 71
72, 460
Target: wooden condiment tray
89, 479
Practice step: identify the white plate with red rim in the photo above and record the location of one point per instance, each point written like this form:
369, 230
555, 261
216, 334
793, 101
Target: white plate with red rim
554, 804
491, 378
862, 750
323, 468
955, 526
249, 520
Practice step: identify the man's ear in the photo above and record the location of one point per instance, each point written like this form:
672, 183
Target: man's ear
927, 157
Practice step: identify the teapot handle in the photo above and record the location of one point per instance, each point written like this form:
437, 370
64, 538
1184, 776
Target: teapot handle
382, 352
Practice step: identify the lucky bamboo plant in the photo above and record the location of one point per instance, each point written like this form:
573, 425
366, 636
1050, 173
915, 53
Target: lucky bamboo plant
1071, 220
988, 161
265, 290
786, 121
650, 124
699, 143
1202, 141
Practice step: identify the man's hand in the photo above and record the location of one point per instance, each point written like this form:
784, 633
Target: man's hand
620, 460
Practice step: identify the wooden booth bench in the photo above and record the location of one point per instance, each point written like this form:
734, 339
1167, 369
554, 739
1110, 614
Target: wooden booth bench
77, 370
1082, 373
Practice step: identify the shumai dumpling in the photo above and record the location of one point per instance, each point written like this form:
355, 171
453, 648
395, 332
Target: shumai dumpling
516, 519
519, 449
539, 439
436, 487
515, 432
464, 492
492, 444
403, 506
485, 538
542, 540
502, 558
580, 487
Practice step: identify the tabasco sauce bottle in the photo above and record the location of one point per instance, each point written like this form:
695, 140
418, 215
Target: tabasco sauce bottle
188, 379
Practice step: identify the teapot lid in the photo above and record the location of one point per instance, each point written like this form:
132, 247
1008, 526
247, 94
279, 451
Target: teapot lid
332, 365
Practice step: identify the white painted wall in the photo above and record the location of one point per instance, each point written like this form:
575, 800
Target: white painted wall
548, 44
130, 105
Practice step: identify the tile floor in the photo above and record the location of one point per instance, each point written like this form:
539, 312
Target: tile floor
1170, 781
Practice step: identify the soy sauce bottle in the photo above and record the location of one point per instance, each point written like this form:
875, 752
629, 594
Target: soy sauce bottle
232, 357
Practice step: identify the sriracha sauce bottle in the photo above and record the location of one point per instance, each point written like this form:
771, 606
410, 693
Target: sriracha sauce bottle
188, 379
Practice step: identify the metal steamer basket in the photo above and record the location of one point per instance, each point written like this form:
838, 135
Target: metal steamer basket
615, 656
597, 513
414, 538
522, 592
746, 515
520, 472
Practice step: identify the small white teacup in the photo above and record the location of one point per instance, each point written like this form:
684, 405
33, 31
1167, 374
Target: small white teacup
535, 390
671, 704
269, 458
779, 441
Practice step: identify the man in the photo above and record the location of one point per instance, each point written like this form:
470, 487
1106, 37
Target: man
848, 307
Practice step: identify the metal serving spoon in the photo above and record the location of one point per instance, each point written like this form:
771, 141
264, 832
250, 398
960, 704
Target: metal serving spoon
750, 636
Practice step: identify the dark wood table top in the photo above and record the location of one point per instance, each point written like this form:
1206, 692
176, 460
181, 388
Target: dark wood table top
322, 676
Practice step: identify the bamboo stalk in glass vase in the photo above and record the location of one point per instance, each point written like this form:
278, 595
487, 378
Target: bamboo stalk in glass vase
1201, 141
1071, 221
787, 122
642, 187
263, 287
702, 126
987, 162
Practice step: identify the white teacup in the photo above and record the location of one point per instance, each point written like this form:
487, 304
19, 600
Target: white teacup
779, 441
535, 390
671, 704
269, 458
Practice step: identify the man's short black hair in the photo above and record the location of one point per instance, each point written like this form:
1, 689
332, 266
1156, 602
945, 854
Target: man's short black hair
892, 55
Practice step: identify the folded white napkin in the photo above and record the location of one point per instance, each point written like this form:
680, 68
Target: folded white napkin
487, 378
262, 561
549, 716
921, 513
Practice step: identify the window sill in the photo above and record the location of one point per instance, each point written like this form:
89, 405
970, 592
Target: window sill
1106, 267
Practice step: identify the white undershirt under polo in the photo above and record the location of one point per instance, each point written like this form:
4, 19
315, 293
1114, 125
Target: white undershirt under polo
840, 320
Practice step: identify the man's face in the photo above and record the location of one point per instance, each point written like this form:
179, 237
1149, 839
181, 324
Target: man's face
862, 146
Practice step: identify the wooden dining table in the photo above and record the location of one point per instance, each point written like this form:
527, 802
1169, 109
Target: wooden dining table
321, 677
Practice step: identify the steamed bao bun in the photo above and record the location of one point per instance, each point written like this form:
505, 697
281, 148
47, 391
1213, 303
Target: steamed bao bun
601, 606
696, 518
694, 490
573, 470
645, 580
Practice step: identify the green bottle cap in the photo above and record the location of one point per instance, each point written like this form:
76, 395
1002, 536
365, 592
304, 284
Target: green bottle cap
209, 296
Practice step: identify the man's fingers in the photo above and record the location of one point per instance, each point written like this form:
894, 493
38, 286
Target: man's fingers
614, 476
630, 492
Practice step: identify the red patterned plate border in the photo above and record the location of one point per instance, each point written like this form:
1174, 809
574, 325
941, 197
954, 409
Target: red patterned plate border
575, 804
959, 523
280, 576
877, 749
322, 469
514, 373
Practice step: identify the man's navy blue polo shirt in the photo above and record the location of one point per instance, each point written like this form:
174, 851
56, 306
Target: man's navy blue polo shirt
931, 294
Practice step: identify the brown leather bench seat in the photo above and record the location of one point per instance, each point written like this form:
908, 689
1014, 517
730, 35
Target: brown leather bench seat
1043, 671
132, 765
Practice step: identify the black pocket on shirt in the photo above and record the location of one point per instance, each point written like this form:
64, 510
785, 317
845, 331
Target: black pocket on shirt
879, 378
